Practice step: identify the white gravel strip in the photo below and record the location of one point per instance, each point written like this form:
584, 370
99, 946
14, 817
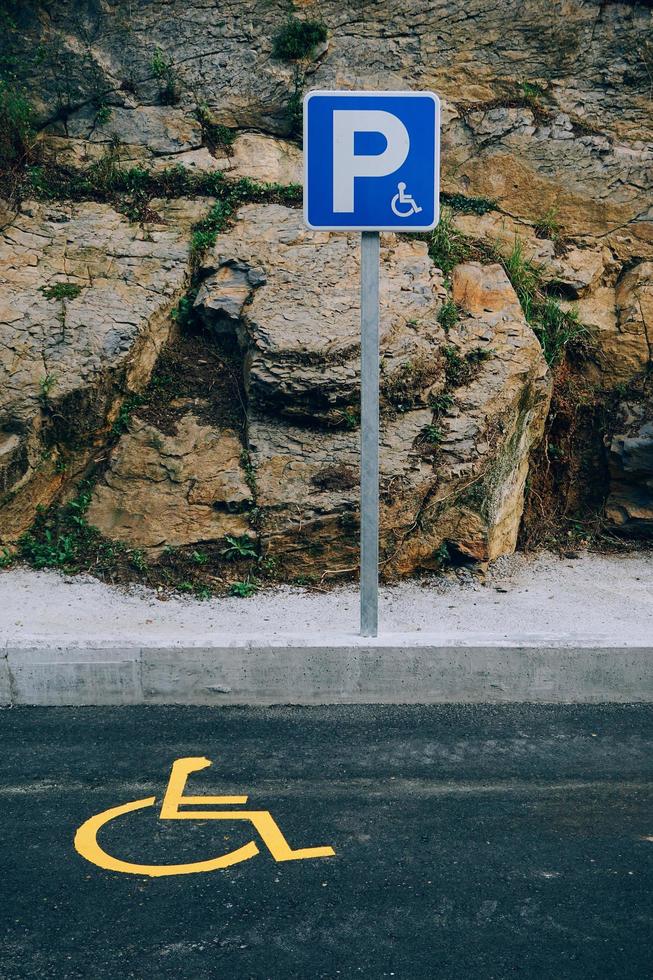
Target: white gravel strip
596, 597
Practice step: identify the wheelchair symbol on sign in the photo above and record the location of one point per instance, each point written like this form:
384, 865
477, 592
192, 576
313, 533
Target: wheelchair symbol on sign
87, 845
401, 197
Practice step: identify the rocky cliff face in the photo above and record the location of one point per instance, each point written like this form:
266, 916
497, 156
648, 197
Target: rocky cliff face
182, 339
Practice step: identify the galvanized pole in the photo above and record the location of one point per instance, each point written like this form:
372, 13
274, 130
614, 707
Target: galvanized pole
369, 504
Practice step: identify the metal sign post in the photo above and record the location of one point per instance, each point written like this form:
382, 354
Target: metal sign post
369, 506
371, 164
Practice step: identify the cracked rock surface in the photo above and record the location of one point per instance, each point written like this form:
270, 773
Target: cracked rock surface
64, 361
546, 119
452, 475
173, 490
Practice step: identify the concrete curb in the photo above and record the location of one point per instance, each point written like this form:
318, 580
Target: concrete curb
345, 670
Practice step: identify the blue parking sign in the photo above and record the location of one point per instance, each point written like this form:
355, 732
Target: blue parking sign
371, 161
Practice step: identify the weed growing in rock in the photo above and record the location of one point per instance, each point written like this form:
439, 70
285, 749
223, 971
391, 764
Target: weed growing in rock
402, 387
46, 384
242, 547
103, 114
6, 558
433, 433
454, 367
467, 205
121, 423
448, 246
349, 418
296, 42
182, 313
16, 126
298, 39
243, 589
130, 189
448, 315
207, 230
558, 330
61, 290
61, 538
216, 136
548, 226
479, 354
442, 403
163, 71
531, 91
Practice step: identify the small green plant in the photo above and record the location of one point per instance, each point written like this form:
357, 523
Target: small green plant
163, 71
447, 246
199, 557
467, 205
350, 418
242, 547
524, 276
548, 226
102, 114
16, 126
216, 136
138, 560
531, 91
442, 555
448, 315
243, 589
61, 290
182, 313
206, 231
46, 384
6, 558
442, 403
557, 329
479, 354
125, 412
62, 538
455, 368
432, 433
270, 566
297, 39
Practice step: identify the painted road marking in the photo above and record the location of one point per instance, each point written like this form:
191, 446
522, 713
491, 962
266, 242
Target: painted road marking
87, 845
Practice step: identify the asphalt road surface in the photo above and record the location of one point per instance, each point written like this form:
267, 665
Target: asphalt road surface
470, 842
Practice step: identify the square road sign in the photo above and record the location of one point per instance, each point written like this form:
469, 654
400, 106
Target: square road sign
371, 161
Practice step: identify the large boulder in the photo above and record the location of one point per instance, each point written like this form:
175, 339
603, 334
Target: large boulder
173, 489
86, 297
460, 410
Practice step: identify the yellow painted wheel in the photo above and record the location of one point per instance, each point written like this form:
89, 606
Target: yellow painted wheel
86, 844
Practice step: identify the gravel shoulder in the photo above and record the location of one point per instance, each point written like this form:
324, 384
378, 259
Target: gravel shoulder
599, 597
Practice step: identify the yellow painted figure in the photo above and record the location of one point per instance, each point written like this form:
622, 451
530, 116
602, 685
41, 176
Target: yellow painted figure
86, 837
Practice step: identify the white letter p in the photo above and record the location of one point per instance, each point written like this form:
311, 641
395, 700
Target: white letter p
347, 166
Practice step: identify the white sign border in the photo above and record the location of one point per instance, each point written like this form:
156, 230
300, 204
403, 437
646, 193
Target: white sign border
359, 228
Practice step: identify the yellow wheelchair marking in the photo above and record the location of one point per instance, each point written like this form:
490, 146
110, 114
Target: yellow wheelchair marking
86, 837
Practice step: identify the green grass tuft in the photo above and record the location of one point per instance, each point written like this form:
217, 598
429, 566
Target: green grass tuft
447, 246
448, 315
558, 330
16, 126
61, 290
297, 39
243, 589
